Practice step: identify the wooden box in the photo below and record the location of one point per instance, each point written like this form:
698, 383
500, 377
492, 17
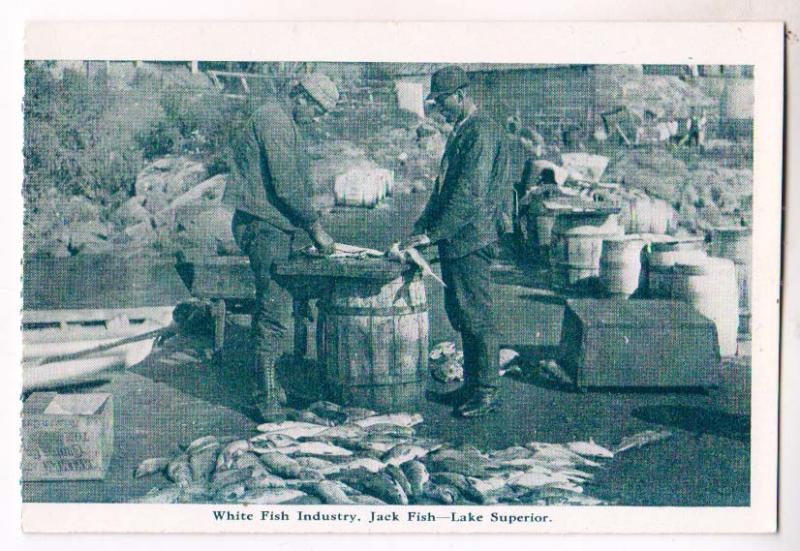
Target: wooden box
67, 436
217, 277
638, 343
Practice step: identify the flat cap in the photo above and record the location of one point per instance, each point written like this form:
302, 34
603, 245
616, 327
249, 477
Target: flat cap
447, 80
322, 89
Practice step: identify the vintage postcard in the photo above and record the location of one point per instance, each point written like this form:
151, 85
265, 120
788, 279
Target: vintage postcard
403, 277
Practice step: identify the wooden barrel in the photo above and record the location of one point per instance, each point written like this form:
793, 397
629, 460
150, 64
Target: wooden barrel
544, 218
709, 284
621, 265
662, 256
372, 342
644, 214
578, 254
605, 221
735, 243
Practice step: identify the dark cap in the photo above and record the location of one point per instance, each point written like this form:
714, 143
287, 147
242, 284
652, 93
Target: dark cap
447, 80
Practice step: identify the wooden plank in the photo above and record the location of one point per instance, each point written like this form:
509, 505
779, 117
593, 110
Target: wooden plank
158, 313
379, 269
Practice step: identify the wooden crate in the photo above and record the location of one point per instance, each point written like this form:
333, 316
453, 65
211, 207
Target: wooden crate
638, 343
67, 436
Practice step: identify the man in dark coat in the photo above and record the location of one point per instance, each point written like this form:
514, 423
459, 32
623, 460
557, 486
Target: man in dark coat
271, 189
464, 217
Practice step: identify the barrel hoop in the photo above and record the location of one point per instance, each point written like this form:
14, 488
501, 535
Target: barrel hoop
362, 311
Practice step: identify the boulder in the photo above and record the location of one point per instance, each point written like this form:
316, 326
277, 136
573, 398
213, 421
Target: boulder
202, 227
170, 175
132, 212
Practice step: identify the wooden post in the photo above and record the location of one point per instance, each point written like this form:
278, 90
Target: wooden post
218, 312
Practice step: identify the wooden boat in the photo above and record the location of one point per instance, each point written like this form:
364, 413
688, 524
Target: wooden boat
65, 347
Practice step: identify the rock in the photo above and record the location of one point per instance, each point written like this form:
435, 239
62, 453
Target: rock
88, 237
208, 192
143, 231
132, 212
202, 227
170, 175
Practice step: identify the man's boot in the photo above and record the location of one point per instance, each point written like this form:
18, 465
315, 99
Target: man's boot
483, 402
270, 399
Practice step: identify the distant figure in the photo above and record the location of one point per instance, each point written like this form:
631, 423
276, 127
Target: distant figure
462, 217
271, 189
533, 146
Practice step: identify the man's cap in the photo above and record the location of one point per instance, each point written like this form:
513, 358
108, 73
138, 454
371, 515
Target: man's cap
322, 89
447, 80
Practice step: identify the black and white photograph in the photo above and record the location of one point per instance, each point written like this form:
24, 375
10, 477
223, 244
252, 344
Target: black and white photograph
395, 294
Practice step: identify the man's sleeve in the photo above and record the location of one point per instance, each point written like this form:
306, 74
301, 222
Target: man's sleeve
463, 196
287, 183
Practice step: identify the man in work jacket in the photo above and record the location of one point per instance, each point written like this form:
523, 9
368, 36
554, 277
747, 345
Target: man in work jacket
271, 189
463, 217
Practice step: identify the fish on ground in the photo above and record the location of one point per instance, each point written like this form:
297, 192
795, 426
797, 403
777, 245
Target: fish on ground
179, 470
328, 491
590, 449
402, 453
642, 439
271, 496
379, 484
399, 476
151, 466
367, 463
402, 419
417, 476
202, 460
273, 440
294, 429
440, 493
321, 449
280, 464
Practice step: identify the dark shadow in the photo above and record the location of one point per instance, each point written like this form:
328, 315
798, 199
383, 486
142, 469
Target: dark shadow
73, 388
698, 420
555, 300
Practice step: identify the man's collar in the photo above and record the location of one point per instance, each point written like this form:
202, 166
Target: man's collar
460, 123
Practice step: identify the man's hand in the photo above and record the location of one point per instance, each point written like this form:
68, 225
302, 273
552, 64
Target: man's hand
419, 240
322, 241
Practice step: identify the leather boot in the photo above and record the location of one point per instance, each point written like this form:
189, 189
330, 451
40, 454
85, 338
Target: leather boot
483, 402
270, 399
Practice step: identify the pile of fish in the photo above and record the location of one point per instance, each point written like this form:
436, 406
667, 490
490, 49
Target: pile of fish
343, 455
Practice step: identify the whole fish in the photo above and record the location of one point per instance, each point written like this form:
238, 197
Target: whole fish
170, 494
642, 439
567, 486
280, 464
308, 417
456, 464
511, 453
309, 474
357, 413
576, 475
415, 257
402, 453
389, 429
380, 485
483, 489
179, 470
347, 432
295, 429
590, 449
399, 476
430, 444
378, 445
329, 410
417, 476
533, 479
529, 464
366, 463
402, 419
558, 454
273, 440
364, 499
151, 466
328, 491
201, 442
202, 460
456, 480
440, 493
316, 463
271, 496
263, 479
227, 478
230, 452
322, 449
